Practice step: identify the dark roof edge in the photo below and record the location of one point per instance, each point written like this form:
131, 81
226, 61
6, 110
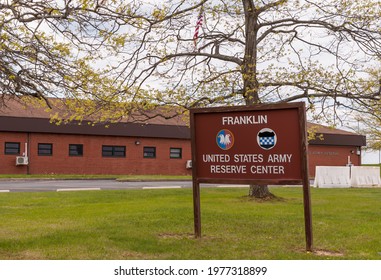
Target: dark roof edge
339, 140
39, 125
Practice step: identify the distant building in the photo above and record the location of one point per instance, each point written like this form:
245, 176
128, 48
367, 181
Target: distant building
31, 144
333, 147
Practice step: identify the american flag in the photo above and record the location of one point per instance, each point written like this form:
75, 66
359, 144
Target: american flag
198, 26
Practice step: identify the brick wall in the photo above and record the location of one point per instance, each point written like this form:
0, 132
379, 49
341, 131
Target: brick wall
319, 155
92, 161
8, 162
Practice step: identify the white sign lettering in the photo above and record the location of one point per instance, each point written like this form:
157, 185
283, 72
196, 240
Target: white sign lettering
215, 158
239, 169
237, 163
269, 169
248, 158
260, 119
279, 158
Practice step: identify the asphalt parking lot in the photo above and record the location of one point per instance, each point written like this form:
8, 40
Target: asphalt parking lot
81, 185
21, 185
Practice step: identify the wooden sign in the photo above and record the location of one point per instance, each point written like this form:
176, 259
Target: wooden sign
261, 144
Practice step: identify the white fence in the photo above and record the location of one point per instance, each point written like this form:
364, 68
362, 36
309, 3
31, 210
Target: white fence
346, 177
365, 177
332, 177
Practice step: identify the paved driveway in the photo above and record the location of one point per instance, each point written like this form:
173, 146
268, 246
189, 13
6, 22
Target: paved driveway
77, 185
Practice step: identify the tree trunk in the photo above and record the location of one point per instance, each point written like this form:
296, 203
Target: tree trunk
260, 191
249, 67
249, 75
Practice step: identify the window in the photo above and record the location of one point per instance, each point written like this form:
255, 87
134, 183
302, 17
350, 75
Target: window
12, 148
114, 151
149, 152
45, 149
175, 152
75, 150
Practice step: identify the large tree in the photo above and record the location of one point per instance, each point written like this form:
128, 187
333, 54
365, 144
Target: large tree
371, 127
134, 53
66, 49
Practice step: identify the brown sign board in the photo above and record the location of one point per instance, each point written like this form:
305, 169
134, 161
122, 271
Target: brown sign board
256, 144
259, 144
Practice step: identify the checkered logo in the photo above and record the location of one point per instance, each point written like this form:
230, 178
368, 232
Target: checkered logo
266, 138
266, 141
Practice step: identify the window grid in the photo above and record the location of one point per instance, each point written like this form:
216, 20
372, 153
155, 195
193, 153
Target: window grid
114, 151
175, 153
45, 149
149, 152
76, 150
12, 148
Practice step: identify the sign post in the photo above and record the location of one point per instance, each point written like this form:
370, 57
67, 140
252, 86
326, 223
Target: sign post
261, 144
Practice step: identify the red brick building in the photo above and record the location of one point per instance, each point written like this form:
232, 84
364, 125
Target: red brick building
333, 147
153, 146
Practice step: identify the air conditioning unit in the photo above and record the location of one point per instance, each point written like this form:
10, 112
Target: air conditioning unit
22, 161
189, 164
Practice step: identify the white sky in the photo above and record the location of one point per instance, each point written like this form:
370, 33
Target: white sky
371, 157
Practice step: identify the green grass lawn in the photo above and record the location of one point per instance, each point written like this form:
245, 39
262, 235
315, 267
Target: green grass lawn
158, 224
90, 177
